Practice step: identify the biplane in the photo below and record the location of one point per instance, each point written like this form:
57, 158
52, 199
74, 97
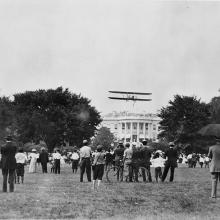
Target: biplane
130, 96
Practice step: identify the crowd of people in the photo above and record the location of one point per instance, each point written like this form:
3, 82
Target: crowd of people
129, 157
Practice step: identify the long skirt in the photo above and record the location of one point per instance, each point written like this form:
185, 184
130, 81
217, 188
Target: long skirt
33, 166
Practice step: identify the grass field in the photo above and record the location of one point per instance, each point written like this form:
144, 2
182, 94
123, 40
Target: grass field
50, 196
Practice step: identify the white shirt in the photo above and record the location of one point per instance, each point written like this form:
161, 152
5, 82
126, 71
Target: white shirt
20, 158
85, 152
189, 156
158, 162
57, 156
207, 159
75, 156
201, 160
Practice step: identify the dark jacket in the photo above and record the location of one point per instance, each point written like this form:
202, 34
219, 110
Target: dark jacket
172, 156
8, 152
43, 158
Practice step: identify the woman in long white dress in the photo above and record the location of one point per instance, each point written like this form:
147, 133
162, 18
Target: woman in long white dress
33, 163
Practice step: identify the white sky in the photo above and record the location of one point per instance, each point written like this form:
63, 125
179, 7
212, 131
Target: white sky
91, 47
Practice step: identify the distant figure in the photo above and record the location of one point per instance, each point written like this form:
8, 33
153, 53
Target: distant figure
146, 161
75, 160
21, 160
201, 161
108, 159
98, 164
119, 153
128, 162
171, 162
44, 159
57, 157
158, 163
85, 161
207, 160
8, 152
214, 155
33, 163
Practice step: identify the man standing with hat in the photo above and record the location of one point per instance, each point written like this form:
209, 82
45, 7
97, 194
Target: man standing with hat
171, 162
214, 155
85, 161
8, 152
146, 156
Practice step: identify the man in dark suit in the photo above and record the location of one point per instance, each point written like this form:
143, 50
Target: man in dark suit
43, 158
214, 155
171, 162
146, 155
8, 152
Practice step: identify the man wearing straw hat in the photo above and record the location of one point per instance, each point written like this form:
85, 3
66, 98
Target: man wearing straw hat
8, 152
214, 155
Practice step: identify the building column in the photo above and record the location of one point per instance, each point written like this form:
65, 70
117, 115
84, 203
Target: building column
131, 132
138, 131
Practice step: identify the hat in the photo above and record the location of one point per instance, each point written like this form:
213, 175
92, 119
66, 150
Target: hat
127, 145
144, 142
85, 142
34, 150
171, 144
120, 142
134, 143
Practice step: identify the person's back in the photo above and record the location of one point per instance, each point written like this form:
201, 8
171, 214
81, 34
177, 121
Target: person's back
43, 157
8, 152
85, 151
119, 152
171, 155
214, 154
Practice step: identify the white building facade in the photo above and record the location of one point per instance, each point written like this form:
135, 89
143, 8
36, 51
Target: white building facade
132, 127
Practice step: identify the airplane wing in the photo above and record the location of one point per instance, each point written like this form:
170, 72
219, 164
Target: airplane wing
134, 93
128, 99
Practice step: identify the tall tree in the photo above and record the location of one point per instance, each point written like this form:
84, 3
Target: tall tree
54, 116
215, 110
104, 137
182, 119
7, 119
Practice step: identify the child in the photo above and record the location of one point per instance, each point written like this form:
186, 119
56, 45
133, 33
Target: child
98, 164
21, 160
75, 160
158, 163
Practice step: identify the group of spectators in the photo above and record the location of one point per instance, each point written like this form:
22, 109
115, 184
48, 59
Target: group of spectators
128, 157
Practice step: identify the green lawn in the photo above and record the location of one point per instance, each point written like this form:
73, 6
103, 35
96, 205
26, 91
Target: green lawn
62, 196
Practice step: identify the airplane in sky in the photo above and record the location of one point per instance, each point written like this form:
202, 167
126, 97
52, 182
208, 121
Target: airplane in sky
130, 96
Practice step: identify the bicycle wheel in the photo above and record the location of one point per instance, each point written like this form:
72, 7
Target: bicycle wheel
113, 174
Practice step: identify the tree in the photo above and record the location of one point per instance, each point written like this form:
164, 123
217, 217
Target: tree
215, 110
182, 119
104, 137
55, 116
7, 119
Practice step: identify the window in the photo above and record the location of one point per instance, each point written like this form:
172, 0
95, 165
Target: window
116, 126
135, 126
146, 126
128, 126
123, 126
141, 128
154, 127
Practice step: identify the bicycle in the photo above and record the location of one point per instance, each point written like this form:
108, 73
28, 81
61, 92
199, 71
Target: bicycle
117, 174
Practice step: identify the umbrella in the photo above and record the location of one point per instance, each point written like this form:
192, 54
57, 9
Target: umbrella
210, 130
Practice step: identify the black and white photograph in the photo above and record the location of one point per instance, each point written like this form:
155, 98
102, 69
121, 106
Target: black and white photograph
110, 109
